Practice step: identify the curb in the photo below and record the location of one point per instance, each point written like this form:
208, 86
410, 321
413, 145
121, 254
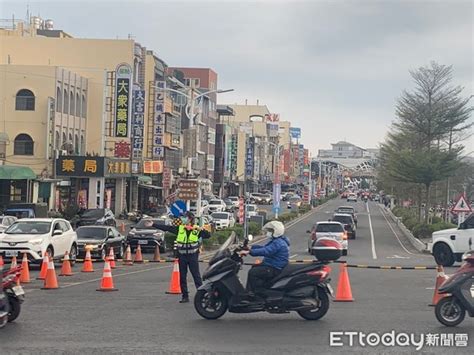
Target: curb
415, 242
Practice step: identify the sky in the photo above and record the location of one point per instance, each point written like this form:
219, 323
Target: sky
333, 68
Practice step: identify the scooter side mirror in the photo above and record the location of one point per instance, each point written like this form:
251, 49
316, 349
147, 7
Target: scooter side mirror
250, 237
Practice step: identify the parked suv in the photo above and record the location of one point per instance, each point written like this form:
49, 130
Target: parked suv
37, 236
97, 216
332, 230
449, 245
347, 221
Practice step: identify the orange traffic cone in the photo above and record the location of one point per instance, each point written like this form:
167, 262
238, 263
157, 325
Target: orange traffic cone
51, 281
128, 257
440, 278
175, 288
343, 292
107, 283
44, 267
87, 266
14, 265
156, 256
1, 262
66, 267
25, 271
111, 258
138, 255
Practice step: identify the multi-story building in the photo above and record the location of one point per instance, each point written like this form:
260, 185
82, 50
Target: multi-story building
119, 100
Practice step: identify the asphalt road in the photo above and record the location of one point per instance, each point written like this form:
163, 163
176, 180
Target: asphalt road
141, 318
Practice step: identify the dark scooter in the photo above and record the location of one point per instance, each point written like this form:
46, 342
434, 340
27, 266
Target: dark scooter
459, 290
303, 288
14, 293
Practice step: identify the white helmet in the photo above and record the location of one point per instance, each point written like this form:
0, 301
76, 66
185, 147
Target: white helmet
275, 227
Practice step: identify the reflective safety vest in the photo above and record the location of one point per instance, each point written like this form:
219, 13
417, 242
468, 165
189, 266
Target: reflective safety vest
187, 243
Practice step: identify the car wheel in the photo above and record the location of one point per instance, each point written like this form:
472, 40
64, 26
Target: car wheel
73, 254
443, 254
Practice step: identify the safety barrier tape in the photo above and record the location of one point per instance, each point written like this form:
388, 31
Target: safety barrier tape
381, 267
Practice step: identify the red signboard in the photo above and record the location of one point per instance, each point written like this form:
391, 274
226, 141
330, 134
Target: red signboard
166, 178
122, 149
241, 211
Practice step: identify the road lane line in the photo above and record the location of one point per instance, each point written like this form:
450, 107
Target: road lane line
372, 239
396, 235
291, 257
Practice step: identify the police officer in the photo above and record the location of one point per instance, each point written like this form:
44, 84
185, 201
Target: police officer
188, 241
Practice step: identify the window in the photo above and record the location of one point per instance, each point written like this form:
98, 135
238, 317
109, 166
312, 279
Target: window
72, 106
210, 162
211, 136
63, 144
59, 100
78, 105
76, 145
23, 145
57, 141
25, 100
66, 102
84, 106
83, 147
70, 139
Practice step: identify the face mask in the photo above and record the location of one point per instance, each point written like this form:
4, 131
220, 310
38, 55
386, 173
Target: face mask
269, 234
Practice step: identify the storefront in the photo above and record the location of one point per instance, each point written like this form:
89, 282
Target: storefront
16, 184
92, 182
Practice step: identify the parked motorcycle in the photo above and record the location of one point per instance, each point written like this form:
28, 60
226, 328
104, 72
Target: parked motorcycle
459, 290
13, 292
303, 288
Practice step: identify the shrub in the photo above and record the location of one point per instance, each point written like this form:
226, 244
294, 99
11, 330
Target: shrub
254, 228
436, 220
304, 208
421, 230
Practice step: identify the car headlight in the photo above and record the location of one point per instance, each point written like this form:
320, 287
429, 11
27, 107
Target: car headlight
36, 241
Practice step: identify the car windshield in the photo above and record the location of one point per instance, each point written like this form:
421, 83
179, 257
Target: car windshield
18, 213
91, 233
94, 213
343, 219
329, 228
220, 216
345, 210
142, 225
215, 202
32, 227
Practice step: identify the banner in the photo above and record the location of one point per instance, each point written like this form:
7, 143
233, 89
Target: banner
249, 157
159, 121
138, 121
295, 132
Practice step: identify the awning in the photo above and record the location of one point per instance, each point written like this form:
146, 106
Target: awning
144, 179
150, 187
16, 173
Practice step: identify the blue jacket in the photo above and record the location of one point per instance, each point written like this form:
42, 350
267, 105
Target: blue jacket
276, 252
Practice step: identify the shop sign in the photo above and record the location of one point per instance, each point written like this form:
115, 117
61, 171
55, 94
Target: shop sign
123, 76
159, 121
138, 114
166, 178
153, 167
80, 166
122, 149
249, 157
117, 168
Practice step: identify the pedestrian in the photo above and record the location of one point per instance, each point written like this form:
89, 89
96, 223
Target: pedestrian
188, 242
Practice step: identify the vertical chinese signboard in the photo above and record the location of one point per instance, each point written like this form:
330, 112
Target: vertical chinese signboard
233, 157
122, 100
159, 121
249, 157
138, 122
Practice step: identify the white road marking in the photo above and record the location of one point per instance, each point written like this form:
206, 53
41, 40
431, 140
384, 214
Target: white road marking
398, 238
372, 239
291, 257
398, 257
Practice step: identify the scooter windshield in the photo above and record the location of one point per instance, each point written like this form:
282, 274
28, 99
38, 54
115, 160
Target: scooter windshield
223, 251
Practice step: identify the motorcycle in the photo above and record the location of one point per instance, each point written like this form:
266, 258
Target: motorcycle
13, 292
459, 290
303, 288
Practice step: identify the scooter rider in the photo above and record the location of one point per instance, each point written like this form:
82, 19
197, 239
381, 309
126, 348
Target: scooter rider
188, 237
276, 256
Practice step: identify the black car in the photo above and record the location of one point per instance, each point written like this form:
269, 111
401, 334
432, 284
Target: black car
148, 237
348, 222
99, 239
97, 216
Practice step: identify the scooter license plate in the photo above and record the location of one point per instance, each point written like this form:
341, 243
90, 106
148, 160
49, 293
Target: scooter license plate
331, 291
11, 253
18, 290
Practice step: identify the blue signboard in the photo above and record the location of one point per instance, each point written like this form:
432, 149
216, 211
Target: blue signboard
178, 208
295, 132
249, 157
276, 198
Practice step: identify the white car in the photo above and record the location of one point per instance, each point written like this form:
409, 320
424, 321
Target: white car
333, 230
204, 207
235, 201
36, 236
223, 220
5, 222
352, 197
251, 211
216, 205
449, 245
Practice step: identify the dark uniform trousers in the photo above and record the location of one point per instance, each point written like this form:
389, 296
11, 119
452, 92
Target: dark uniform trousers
191, 261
